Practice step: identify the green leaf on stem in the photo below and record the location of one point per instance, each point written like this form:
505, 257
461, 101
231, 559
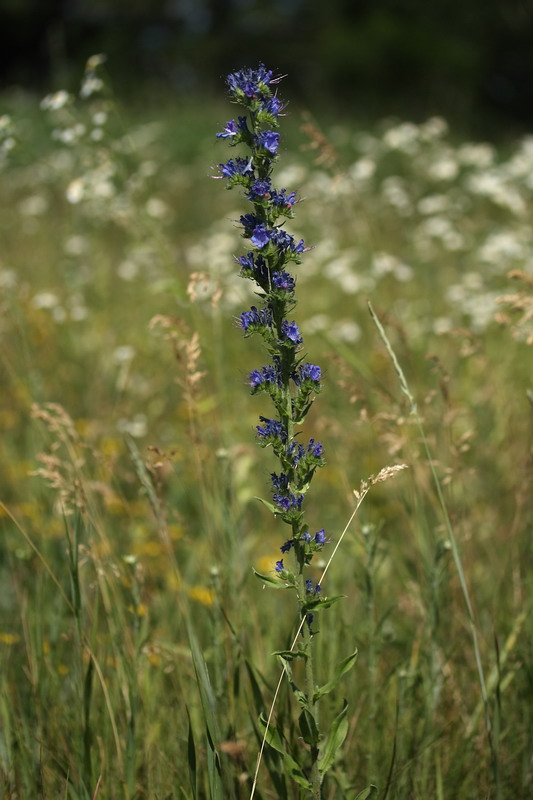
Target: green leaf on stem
290, 655
271, 507
274, 739
318, 603
308, 728
274, 583
299, 695
334, 741
342, 667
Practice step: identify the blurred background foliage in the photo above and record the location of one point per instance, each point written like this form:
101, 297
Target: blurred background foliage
470, 61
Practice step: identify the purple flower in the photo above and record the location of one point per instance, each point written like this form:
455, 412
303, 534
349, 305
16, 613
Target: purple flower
237, 166
285, 242
272, 106
307, 372
259, 189
281, 198
320, 536
229, 131
310, 372
249, 222
256, 379
289, 501
250, 82
254, 266
287, 546
271, 429
267, 375
315, 448
279, 566
260, 236
283, 280
295, 453
309, 585
247, 262
255, 318
268, 140
290, 331
279, 482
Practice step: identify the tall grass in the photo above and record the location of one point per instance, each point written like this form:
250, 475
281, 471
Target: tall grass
135, 644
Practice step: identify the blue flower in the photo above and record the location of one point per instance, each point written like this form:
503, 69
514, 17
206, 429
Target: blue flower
295, 453
268, 140
287, 546
310, 372
307, 372
283, 280
279, 566
289, 501
255, 319
267, 375
285, 242
256, 379
290, 331
309, 585
250, 82
237, 166
271, 429
260, 236
259, 190
229, 131
281, 198
320, 536
272, 105
315, 448
254, 266
280, 482
249, 222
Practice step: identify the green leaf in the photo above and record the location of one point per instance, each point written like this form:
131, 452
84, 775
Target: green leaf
322, 602
366, 793
290, 655
271, 507
274, 739
273, 736
299, 695
293, 771
212, 728
342, 667
191, 756
334, 741
274, 583
308, 728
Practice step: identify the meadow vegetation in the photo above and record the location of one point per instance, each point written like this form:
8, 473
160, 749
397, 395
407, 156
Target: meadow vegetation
135, 643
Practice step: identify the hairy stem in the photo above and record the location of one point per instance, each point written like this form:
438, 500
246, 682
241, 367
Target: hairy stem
309, 682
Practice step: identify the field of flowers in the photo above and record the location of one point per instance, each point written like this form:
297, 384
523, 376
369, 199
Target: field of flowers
136, 645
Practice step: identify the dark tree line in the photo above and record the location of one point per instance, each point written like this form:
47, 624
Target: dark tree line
458, 56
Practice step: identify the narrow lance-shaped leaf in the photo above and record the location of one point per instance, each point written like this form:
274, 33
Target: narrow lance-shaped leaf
334, 741
341, 669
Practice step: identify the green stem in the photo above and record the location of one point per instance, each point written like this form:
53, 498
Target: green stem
309, 686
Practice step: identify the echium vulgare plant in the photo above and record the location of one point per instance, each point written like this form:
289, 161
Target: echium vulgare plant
290, 381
